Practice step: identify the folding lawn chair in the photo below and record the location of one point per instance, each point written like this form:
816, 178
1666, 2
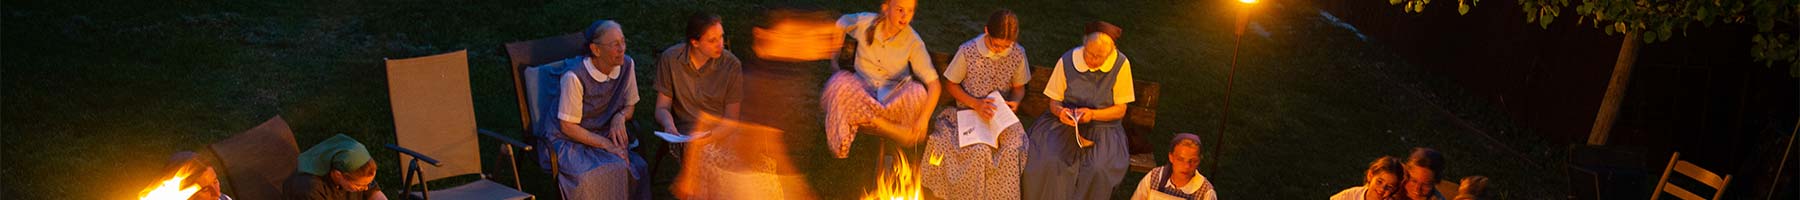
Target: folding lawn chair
258, 161
434, 122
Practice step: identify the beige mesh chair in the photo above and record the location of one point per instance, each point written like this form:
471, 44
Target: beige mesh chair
434, 122
1691, 171
258, 161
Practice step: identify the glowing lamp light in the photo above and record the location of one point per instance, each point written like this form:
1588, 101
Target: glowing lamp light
1247, 1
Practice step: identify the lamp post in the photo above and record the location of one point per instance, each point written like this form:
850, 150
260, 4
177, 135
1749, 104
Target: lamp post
1243, 19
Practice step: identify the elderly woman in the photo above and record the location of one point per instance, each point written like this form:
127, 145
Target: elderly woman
1380, 181
1089, 88
880, 90
1180, 179
598, 92
337, 168
990, 63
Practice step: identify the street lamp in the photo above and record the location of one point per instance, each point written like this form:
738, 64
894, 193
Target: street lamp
1243, 19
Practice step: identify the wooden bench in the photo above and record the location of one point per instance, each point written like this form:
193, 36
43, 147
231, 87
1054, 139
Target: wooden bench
1140, 115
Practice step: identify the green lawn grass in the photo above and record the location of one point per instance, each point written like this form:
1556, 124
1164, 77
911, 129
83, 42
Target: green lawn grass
98, 94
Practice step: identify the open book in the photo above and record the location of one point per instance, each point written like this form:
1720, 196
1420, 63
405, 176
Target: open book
970, 129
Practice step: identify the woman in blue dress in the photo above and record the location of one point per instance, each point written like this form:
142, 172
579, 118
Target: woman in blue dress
1078, 149
588, 136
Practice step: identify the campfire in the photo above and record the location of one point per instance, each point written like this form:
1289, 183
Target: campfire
899, 183
185, 177
175, 187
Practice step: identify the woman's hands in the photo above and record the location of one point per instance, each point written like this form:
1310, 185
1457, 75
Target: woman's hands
1071, 116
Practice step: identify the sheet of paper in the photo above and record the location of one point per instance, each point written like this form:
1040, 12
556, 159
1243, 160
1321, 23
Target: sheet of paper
1079, 141
672, 138
1003, 115
971, 129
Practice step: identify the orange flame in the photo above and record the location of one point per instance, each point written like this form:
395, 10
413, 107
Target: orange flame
171, 188
935, 160
899, 184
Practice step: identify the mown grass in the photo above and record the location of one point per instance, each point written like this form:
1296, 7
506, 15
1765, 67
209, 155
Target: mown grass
97, 94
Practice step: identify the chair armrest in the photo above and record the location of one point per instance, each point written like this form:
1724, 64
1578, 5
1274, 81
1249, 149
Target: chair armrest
414, 154
503, 138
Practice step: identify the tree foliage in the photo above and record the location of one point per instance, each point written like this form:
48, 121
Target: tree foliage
1657, 20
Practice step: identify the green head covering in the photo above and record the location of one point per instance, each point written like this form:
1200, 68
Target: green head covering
339, 152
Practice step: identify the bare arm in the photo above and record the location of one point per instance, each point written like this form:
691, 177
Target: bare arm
663, 117
932, 90
581, 135
920, 61
980, 106
1109, 113
1061, 113
620, 139
1018, 94
959, 66
570, 108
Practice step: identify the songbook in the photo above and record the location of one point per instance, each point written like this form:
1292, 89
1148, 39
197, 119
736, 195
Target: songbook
1082, 142
971, 129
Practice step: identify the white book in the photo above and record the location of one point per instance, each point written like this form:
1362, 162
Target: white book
972, 130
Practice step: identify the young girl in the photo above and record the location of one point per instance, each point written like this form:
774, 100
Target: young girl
1381, 181
990, 63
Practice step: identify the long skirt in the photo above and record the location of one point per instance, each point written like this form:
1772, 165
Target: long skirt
848, 106
976, 171
593, 173
734, 175
1058, 169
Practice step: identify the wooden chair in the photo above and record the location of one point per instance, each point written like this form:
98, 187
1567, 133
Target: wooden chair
521, 57
434, 122
524, 54
258, 161
1691, 171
